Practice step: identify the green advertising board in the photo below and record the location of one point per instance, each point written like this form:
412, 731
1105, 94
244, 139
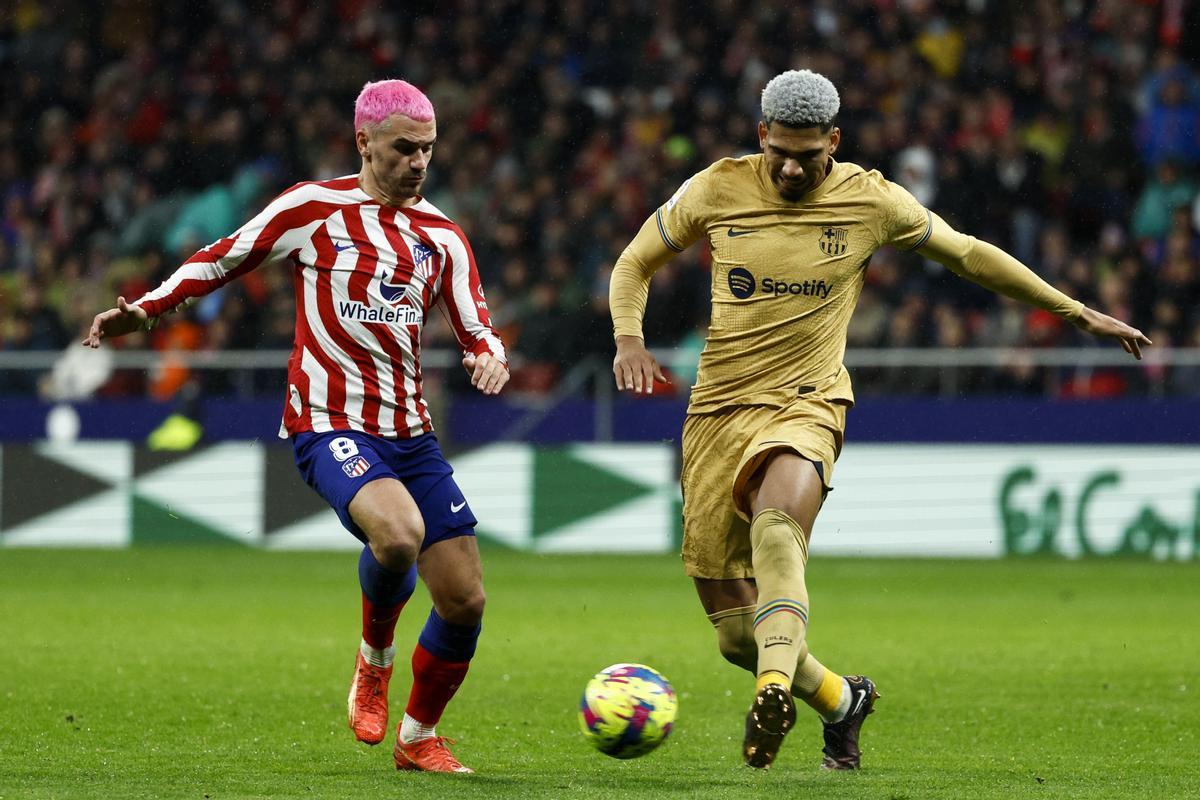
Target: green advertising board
889, 500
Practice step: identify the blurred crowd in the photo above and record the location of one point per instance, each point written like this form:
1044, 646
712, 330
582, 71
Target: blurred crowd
132, 133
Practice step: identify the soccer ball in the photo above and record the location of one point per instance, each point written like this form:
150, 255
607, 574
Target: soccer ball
627, 710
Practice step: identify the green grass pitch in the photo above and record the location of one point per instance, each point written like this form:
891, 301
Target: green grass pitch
222, 673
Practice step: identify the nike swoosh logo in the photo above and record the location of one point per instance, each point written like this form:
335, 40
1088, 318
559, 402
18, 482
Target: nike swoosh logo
861, 695
340, 248
772, 644
457, 507
733, 233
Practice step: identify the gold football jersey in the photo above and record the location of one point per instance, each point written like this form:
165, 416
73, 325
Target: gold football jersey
785, 275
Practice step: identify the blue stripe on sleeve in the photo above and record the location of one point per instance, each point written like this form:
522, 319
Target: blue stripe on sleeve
928, 230
662, 231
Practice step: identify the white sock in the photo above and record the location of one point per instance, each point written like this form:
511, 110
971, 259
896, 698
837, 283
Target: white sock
843, 707
413, 731
375, 657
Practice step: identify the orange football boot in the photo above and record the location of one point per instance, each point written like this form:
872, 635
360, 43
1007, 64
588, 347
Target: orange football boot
368, 702
430, 755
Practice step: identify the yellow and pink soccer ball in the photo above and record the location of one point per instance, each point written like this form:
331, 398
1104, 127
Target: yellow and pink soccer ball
627, 710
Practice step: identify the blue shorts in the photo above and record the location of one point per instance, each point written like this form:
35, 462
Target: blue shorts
339, 463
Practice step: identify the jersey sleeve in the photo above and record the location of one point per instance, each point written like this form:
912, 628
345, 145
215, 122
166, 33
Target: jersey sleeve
902, 221
683, 218
281, 228
629, 285
464, 304
994, 269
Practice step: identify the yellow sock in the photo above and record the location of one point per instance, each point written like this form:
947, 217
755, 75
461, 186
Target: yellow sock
824, 691
771, 676
828, 697
779, 552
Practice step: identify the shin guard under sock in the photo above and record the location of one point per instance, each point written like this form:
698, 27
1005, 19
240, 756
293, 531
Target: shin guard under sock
779, 553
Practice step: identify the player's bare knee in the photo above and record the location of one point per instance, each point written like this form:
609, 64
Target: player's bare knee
395, 554
470, 608
464, 606
396, 540
789, 483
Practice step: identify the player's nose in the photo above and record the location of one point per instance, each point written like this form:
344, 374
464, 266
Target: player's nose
792, 169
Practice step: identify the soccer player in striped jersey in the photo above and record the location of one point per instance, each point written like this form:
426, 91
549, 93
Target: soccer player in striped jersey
791, 232
369, 259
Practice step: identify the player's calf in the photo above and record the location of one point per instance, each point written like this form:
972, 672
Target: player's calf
735, 636
384, 594
440, 662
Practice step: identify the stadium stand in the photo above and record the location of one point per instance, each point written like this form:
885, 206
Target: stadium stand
140, 131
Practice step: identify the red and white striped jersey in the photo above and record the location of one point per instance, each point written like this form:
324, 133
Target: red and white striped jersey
365, 276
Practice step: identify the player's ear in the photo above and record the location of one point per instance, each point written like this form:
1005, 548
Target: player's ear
360, 141
835, 138
762, 135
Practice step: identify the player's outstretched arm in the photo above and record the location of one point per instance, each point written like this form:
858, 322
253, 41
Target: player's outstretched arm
994, 269
488, 373
277, 230
1105, 327
125, 318
634, 369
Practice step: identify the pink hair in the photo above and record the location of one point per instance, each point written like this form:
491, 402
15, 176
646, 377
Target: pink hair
380, 100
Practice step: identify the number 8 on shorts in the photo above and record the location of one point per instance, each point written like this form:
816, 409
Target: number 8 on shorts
343, 448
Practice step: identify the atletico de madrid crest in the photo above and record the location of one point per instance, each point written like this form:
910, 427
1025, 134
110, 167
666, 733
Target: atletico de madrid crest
833, 241
356, 467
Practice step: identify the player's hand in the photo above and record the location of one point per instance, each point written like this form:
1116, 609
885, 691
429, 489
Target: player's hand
1107, 327
488, 373
634, 369
123, 319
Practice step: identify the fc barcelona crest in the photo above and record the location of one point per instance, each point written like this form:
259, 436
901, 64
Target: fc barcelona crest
834, 241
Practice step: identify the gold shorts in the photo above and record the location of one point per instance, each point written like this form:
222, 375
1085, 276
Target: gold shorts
722, 451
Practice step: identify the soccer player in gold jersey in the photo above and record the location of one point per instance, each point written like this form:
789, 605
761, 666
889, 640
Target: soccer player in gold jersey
790, 231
